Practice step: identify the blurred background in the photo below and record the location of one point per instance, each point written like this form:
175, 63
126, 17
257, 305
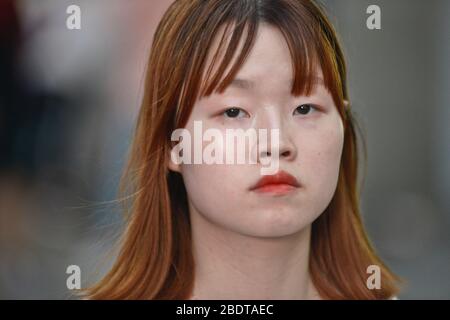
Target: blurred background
69, 99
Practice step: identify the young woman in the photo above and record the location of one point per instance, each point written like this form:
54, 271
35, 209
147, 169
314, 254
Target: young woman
224, 231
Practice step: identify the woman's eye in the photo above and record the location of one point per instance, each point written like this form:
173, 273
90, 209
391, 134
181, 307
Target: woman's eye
304, 109
235, 113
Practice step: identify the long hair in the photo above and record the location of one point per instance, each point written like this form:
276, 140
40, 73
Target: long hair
155, 260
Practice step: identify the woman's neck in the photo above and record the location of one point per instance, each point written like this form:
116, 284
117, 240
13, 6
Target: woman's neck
229, 265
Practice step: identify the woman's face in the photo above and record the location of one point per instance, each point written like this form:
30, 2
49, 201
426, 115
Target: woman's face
310, 146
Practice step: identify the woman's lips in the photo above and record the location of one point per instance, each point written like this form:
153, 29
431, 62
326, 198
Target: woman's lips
278, 189
278, 184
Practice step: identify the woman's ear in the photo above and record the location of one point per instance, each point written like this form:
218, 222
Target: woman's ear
174, 161
346, 104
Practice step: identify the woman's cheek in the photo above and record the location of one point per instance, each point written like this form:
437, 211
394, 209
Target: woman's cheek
319, 157
206, 184
328, 158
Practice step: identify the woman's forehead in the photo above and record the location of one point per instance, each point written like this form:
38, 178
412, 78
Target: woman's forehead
269, 63
268, 49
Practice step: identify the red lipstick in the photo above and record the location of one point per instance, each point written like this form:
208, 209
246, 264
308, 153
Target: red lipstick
279, 184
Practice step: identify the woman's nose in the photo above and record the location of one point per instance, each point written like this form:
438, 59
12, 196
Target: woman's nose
279, 145
278, 140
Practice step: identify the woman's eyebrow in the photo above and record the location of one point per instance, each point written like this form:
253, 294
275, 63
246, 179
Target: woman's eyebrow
245, 84
242, 84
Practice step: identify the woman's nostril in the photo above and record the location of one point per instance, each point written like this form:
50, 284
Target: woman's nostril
286, 153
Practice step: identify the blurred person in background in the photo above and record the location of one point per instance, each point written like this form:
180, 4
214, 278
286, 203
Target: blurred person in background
67, 100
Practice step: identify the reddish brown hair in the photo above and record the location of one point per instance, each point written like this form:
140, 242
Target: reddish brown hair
155, 260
